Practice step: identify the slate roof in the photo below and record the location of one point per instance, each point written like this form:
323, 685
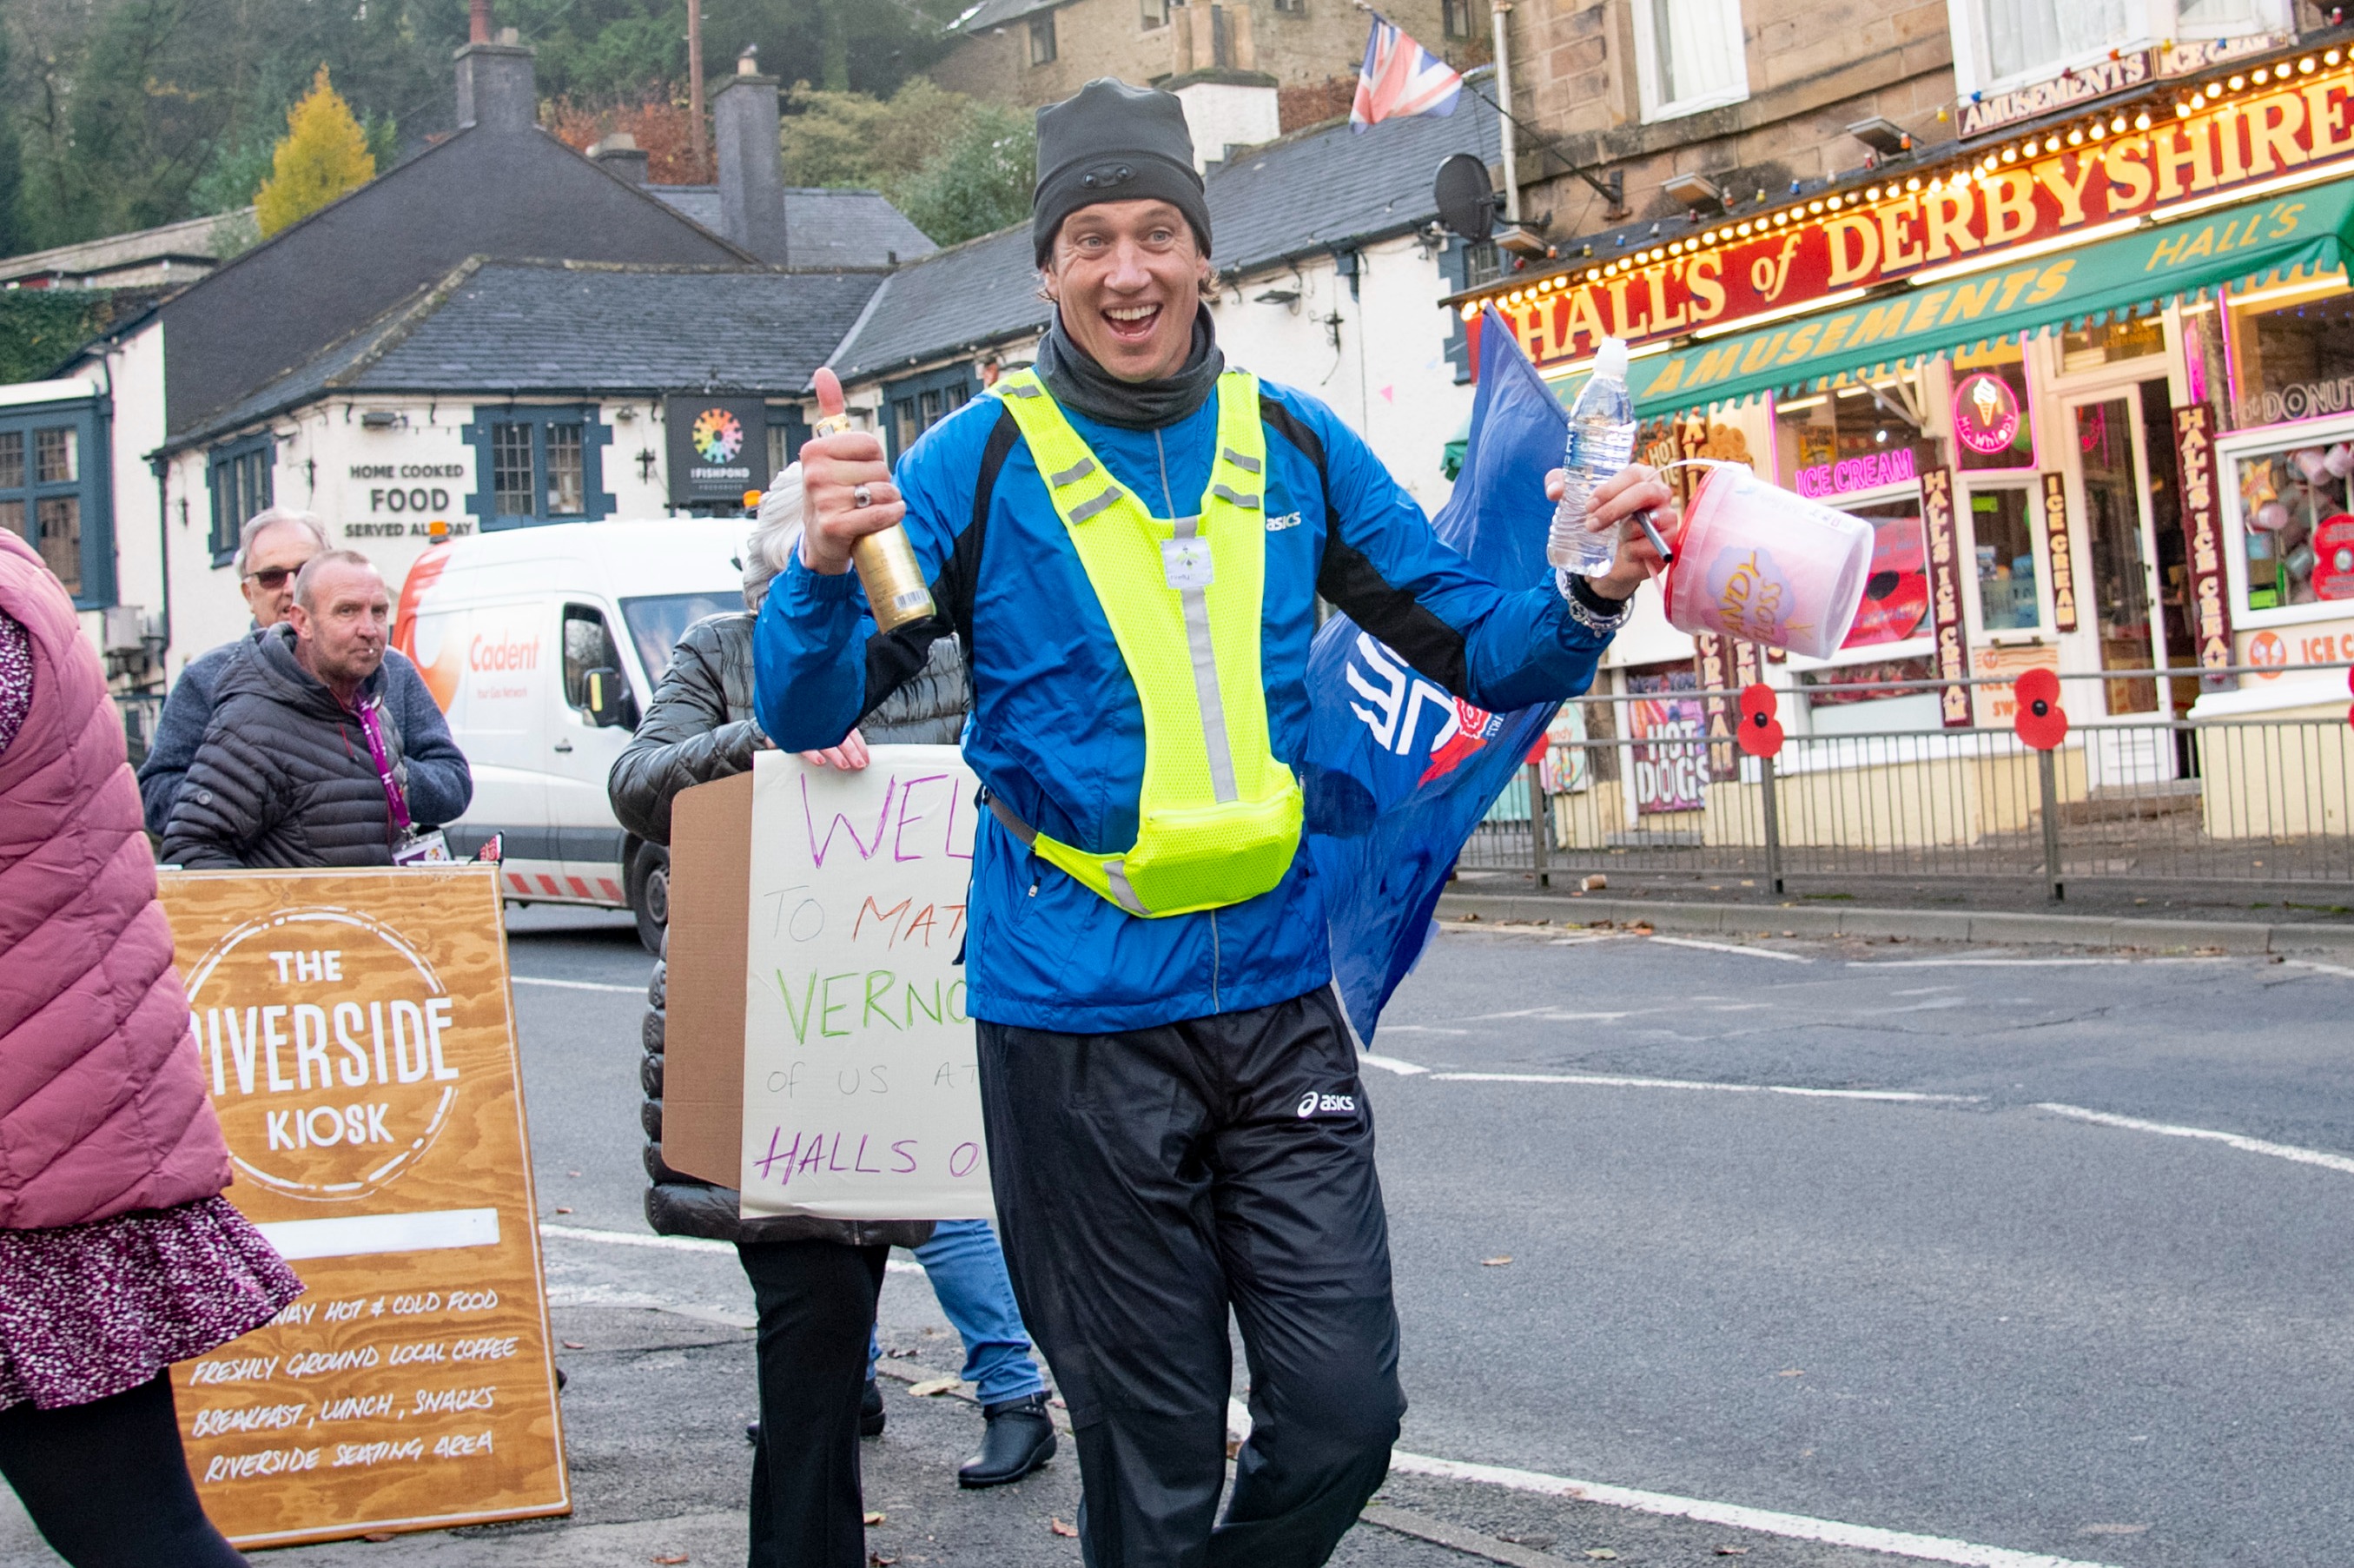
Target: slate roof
982, 291
824, 227
495, 328
1315, 190
990, 13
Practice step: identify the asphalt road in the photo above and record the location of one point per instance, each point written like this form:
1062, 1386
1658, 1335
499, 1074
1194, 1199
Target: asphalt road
1938, 1300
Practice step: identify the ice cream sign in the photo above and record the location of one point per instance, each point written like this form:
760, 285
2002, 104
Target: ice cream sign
1986, 414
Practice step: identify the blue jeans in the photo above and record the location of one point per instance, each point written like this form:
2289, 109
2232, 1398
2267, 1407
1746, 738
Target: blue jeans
968, 1274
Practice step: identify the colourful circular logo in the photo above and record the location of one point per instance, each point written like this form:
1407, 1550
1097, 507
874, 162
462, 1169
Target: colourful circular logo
1986, 414
718, 435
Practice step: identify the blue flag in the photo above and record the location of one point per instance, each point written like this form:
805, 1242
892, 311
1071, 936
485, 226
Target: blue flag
1399, 772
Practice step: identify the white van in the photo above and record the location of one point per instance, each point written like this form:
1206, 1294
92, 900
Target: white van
543, 645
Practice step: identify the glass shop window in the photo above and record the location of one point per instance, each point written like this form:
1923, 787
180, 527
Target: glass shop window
2293, 351
2106, 343
1848, 438
1993, 416
1999, 529
2297, 514
1896, 595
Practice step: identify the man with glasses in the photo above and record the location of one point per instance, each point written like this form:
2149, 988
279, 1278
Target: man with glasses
271, 549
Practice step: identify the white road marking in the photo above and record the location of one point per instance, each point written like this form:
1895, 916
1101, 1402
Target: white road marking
578, 985
1611, 1082
1392, 1065
1551, 1015
674, 1244
1921, 990
1934, 1004
1735, 1516
2342, 1163
1421, 1029
1734, 947
2325, 969
2015, 963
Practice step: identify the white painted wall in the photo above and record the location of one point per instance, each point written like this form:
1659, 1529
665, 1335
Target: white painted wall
328, 462
1388, 379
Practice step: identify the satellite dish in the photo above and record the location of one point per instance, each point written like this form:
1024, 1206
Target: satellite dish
1466, 201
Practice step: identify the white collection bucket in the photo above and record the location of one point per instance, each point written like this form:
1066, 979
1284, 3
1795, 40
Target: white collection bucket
1767, 565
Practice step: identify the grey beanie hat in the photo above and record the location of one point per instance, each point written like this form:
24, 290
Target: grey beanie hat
1111, 141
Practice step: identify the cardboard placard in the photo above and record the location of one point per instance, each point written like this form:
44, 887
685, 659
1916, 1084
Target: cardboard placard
861, 1096
817, 1055
703, 1027
357, 1033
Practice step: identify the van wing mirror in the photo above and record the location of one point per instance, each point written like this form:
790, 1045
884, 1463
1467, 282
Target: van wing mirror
610, 702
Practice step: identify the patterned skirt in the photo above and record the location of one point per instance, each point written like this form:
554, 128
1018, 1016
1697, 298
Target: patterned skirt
91, 1311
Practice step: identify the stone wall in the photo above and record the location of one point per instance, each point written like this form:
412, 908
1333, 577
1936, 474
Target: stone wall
1814, 67
1314, 41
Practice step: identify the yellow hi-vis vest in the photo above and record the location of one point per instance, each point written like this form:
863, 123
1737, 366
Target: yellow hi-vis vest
1218, 817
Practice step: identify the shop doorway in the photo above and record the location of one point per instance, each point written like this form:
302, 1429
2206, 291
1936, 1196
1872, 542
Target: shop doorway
2129, 494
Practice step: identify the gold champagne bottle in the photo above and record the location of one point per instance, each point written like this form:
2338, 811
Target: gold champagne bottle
888, 568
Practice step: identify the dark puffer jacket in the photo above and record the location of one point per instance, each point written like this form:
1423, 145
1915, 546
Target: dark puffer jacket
284, 776
699, 728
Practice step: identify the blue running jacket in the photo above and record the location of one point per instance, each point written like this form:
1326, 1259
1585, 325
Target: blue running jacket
1057, 733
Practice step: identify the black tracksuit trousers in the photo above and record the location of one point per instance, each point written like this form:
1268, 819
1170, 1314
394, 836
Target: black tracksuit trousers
1146, 1183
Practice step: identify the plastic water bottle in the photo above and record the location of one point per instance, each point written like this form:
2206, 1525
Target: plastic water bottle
1601, 442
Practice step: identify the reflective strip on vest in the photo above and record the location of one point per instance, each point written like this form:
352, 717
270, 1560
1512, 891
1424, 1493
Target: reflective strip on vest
1218, 814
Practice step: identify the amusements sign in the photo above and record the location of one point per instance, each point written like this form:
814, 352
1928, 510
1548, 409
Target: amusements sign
861, 1095
1953, 654
355, 1031
2202, 527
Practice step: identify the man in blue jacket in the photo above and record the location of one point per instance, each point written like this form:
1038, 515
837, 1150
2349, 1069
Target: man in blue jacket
1131, 541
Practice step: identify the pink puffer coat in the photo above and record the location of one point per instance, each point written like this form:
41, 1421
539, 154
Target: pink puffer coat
102, 1106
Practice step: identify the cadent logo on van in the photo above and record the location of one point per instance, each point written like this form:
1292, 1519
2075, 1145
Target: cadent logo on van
489, 654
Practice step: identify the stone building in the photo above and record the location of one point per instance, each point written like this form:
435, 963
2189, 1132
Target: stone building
1742, 96
1036, 52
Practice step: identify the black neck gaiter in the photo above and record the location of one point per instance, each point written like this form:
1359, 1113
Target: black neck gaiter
1077, 381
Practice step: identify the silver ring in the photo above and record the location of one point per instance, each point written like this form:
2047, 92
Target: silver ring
861, 496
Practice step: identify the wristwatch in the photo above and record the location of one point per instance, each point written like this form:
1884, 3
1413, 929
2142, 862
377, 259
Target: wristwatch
1598, 614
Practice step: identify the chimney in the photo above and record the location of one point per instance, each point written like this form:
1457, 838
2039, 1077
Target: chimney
495, 89
621, 154
751, 164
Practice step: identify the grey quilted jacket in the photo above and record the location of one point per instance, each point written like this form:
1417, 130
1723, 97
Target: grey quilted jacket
283, 776
698, 728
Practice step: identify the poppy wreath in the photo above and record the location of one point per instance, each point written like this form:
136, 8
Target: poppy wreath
1761, 733
2038, 718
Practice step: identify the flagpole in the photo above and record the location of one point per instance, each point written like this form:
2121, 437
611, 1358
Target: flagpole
1501, 15
1611, 190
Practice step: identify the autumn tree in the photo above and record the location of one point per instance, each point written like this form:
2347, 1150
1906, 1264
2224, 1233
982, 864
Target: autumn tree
323, 155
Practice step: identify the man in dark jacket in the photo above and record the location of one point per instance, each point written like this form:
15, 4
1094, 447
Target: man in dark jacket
288, 773
273, 546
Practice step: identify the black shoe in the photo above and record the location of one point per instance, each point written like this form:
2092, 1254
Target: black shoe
871, 1413
1020, 1438
752, 1432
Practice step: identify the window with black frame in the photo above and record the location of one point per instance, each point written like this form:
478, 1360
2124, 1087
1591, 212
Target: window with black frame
53, 494
538, 465
916, 404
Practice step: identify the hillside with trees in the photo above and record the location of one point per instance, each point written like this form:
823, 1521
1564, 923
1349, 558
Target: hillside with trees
122, 114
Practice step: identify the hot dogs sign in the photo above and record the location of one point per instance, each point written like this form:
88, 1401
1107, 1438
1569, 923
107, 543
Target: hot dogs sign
355, 1035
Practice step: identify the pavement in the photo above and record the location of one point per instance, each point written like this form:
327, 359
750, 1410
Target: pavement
1818, 1251
2227, 924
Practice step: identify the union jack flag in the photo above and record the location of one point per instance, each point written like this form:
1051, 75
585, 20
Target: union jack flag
1400, 78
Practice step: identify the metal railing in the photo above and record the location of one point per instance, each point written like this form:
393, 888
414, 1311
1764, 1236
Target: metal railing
2145, 798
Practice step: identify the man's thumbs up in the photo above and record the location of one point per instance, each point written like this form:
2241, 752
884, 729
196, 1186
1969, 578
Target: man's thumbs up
840, 468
